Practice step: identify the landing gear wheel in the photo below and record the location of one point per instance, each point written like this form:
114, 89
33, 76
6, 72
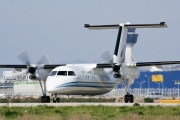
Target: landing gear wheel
45, 99
54, 100
58, 100
128, 98
131, 98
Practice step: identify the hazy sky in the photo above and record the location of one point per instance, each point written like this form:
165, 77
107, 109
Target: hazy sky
56, 27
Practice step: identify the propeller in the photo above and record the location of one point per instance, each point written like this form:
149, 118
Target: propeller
32, 68
106, 57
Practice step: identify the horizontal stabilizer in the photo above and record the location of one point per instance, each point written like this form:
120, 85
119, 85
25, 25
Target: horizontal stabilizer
116, 26
160, 25
94, 27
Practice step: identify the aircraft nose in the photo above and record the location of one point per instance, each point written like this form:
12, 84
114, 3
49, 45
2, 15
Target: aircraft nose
50, 84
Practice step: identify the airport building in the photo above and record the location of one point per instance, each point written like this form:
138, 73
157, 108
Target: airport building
157, 79
19, 83
9, 77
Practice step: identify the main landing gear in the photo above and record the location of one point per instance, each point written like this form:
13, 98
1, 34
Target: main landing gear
128, 98
44, 98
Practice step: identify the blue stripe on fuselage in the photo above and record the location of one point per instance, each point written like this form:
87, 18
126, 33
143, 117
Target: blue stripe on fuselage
88, 84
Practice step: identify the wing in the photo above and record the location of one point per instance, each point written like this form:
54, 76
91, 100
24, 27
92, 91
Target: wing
45, 66
99, 65
139, 64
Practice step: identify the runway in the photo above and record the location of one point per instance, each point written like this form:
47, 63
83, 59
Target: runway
85, 104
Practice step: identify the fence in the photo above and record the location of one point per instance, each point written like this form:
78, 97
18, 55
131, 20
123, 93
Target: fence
138, 93
141, 93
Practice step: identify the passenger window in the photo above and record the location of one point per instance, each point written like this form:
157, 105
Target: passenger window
53, 73
63, 73
71, 73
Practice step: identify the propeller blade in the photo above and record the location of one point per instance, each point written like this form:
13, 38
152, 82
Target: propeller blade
23, 57
106, 56
44, 60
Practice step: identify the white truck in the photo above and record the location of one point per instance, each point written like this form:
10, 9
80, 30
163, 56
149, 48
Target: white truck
154, 95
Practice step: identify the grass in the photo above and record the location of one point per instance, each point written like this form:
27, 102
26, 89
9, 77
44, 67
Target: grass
91, 112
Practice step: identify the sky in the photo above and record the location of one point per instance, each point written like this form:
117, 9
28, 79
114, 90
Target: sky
56, 28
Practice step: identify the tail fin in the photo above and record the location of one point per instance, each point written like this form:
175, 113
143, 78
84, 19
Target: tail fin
119, 52
131, 40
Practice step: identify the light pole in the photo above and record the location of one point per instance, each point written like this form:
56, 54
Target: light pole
178, 91
177, 82
148, 82
140, 85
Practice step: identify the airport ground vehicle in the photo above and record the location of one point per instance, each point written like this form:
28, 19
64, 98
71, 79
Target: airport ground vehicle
154, 95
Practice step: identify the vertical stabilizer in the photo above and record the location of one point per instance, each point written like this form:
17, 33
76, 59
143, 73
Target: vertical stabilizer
130, 41
119, 52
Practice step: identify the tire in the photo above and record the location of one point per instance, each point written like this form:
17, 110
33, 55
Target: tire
126, 99
42, 99
54, 101
131, 98
58, 100
45, 99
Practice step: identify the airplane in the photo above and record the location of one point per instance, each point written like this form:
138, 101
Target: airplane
92, 79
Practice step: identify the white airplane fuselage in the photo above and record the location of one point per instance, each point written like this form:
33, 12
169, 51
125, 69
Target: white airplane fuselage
84, 81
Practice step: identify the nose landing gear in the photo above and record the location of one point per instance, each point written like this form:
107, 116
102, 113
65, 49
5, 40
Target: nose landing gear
45, 99
56, 98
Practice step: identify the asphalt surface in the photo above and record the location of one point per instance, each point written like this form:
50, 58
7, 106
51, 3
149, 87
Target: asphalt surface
86, 104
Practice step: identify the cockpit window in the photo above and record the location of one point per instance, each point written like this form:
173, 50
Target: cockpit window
71, 73
53, 73
63, 73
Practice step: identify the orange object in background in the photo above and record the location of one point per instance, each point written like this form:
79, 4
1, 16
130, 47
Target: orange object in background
157, 78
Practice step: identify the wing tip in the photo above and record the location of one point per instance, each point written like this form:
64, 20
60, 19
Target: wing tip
86, 25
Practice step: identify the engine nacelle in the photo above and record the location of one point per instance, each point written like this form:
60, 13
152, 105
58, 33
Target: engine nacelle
117, 75
32, 77
32, 70
116, 68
